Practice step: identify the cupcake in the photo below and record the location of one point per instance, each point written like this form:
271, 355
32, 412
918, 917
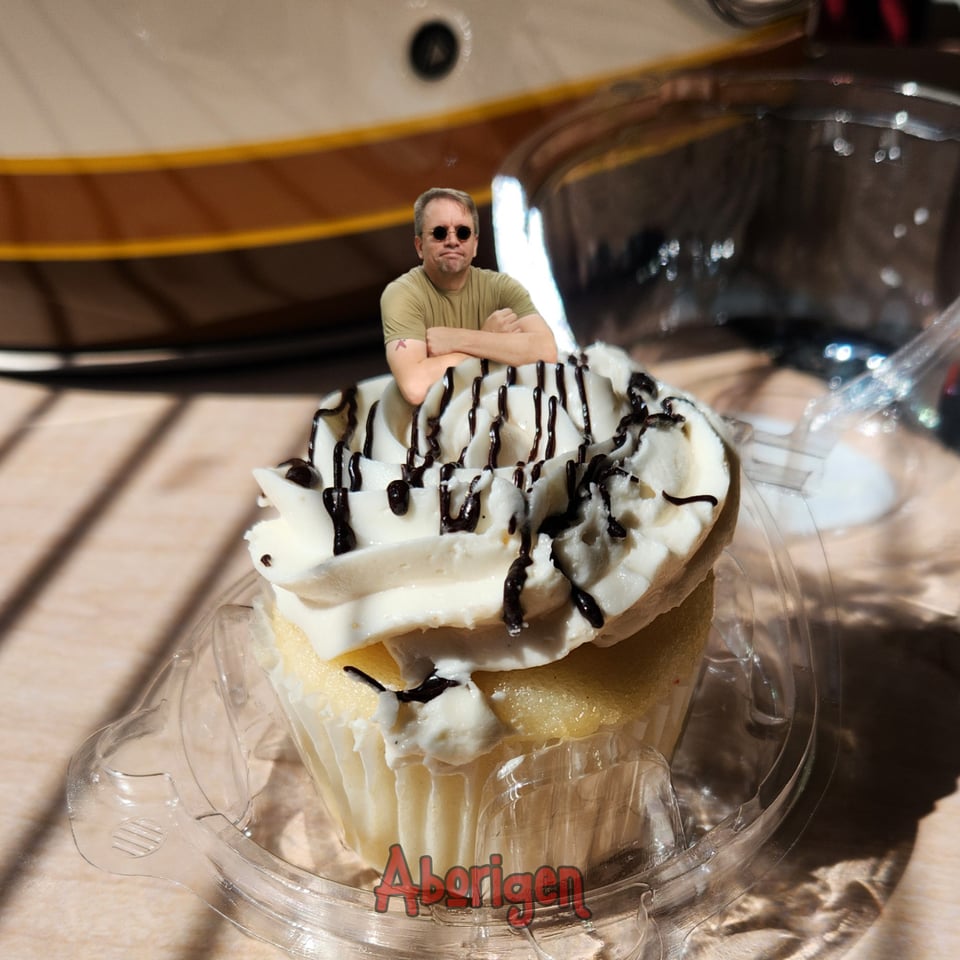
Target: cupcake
515, 573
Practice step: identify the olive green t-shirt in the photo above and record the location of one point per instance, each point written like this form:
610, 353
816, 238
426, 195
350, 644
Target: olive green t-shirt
411, 303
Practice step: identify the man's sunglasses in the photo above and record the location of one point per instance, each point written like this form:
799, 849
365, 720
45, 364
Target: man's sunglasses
463, 233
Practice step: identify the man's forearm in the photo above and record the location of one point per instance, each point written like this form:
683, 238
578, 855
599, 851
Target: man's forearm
513, 348
416, 379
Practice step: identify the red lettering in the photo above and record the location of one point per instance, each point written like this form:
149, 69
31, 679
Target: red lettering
518, 890
570, 883
496, 880
432, 889
400, 884
461, 887
477, 876
457, 882
545, 886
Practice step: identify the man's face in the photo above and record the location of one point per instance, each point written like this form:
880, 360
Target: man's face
448, 258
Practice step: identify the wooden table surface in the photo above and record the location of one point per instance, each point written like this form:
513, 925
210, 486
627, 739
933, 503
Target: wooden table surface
124, 504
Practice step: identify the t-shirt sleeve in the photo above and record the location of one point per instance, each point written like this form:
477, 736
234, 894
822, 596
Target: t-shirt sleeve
401, 313
514, 295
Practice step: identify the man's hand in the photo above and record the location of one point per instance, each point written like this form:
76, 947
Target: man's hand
442, 340
502, 321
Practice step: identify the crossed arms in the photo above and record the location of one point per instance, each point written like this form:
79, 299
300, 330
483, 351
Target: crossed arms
504, 337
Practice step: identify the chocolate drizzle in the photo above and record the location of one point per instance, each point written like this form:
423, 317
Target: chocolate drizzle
579, 489
338, 449
641, 382
398, 497
347, 405
337, 504
551, 450
584, 404
301, 472
586, 476
475, 388
413, 450
469, 514
434, 422
696, 498
669, 417
431, 687
493, 454
537, 415
581, 484
412, 473
586, 605
305, 474
513, 586
561, 385
353, 471
368, 435
615, 529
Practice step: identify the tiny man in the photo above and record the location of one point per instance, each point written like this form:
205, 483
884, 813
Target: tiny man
446, 309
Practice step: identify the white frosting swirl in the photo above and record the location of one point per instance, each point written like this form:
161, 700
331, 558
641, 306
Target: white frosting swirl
547, 506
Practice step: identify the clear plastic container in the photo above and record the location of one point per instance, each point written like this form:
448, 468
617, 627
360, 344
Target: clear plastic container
201, 785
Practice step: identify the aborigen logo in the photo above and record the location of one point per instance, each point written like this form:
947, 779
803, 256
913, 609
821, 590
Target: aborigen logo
462, 887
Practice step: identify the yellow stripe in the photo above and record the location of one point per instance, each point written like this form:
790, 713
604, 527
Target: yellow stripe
621, 155
375, 134
213, 243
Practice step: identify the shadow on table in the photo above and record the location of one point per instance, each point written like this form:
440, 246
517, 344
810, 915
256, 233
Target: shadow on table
316, 369
897, 756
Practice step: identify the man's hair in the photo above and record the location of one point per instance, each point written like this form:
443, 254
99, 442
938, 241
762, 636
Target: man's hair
437, 193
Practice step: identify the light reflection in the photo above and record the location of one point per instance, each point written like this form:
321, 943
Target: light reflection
521, 252
928, 417
722, 249
890, 277
841, 352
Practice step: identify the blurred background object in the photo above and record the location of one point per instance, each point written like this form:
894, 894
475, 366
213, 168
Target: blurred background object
232, 179
784, 245
184, 183
906, 39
